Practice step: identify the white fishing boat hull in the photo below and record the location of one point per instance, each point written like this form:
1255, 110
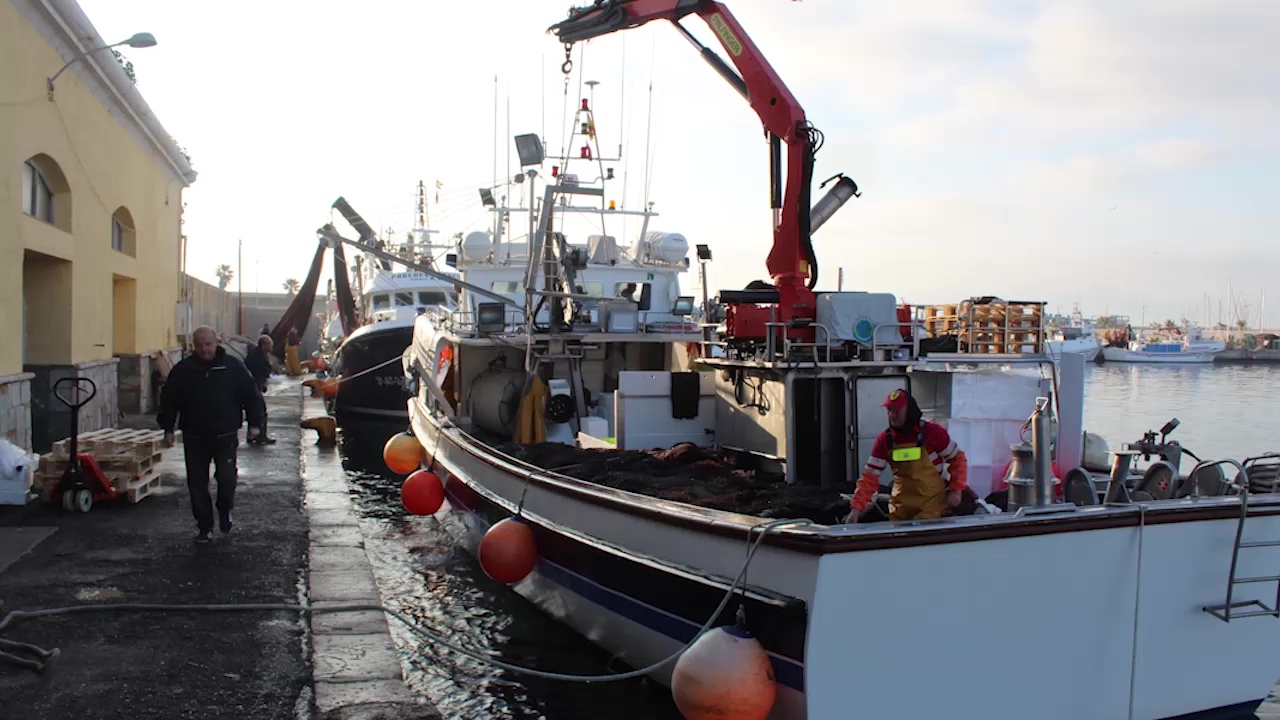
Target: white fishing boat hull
1094, 613
1124, 355
1089, 347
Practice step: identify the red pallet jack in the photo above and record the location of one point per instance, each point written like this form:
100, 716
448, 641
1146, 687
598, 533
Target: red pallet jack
83, 482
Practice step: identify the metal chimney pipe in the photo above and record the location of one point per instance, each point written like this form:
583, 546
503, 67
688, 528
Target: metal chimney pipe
1041, 451
835, 198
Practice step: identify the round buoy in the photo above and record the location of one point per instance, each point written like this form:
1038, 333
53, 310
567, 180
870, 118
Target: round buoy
422, 493
725, 674
402, 453
329, 386
508, 551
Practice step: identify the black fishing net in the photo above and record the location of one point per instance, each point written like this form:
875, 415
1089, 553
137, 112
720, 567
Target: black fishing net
689, 474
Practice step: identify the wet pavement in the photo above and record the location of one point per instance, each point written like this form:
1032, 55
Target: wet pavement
291, 543
305, 514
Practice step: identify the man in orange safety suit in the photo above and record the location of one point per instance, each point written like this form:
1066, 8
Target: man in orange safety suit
917, 450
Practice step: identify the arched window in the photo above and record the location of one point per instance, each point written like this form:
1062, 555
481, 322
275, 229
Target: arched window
46, 195
123, 236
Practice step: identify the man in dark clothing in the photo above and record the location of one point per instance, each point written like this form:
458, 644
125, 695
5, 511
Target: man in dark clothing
208, 394
257, 362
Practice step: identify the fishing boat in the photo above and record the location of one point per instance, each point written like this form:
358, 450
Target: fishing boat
1076, 337
648, 471
1185, 346
391, 295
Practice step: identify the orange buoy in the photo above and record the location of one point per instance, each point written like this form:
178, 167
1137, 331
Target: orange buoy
508, 551
402, 453
725, 674
329, 386
422, 493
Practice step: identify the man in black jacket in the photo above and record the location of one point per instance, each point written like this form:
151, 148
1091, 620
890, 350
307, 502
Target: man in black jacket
208, 394
257, 361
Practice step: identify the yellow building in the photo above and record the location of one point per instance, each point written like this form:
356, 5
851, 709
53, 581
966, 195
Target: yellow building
90, 226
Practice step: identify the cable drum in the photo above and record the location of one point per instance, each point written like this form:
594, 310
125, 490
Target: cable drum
495, 399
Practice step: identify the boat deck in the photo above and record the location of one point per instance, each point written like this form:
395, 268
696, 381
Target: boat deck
693, 475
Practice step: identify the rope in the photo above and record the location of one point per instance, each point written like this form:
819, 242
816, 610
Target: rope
486, 656
366, 371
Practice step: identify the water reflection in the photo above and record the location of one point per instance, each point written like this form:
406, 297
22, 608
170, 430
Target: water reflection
424, 573
1226, 410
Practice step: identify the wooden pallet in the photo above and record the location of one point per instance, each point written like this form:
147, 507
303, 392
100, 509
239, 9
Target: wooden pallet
989, 327
112, 442
134, 486
51, 464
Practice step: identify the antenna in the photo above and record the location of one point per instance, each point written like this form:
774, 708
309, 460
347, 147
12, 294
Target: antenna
495, 130
649, 123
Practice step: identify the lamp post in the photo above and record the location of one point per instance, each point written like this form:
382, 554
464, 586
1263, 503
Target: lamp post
139, 40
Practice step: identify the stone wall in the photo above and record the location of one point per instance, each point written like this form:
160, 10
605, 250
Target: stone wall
51, 419
15, 409
139, 380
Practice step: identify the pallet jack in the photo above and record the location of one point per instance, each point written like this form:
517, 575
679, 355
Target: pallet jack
83, 482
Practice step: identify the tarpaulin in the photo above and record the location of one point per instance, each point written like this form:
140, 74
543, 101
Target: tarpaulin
298, 313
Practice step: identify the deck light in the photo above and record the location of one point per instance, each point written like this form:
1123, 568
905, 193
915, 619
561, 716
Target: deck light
529, 148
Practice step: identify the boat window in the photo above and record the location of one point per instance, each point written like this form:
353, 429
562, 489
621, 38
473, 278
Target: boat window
404, 299
508, 286
430, 298
594, 289
381, 302
638, 293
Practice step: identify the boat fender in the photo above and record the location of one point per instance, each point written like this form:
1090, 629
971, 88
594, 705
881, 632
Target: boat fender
422, 493
402, 453
725, 674
508, 551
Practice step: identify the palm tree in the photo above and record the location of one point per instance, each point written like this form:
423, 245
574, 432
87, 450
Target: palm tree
225, 273
291, 286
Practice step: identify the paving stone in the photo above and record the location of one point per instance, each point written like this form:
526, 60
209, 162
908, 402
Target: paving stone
328, 501
342, 557
328, 483
332, 518
336, 536
348, 658
361, 622
344, 585
369, 700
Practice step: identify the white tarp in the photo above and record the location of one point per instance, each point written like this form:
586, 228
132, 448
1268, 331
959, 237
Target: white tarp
602, 250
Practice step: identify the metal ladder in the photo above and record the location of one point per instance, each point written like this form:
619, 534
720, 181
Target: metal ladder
1226, 611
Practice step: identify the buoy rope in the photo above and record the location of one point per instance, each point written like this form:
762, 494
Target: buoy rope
427, 634
379, 366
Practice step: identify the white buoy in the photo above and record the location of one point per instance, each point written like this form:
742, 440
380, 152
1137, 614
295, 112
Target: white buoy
725, 674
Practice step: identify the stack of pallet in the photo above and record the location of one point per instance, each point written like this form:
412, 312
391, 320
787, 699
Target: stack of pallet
988, 326
129, 458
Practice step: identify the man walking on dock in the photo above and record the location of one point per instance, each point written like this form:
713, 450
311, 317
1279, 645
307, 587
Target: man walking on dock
208, 394
257, 361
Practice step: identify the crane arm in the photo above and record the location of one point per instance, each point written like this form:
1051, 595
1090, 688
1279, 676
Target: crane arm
791, 260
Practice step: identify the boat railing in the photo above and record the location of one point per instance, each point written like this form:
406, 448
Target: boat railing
821, 346
465, 324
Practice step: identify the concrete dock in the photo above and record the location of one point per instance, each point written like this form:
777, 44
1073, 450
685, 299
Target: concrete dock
295, 540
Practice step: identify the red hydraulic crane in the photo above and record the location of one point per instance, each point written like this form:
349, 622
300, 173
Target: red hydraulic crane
791, 261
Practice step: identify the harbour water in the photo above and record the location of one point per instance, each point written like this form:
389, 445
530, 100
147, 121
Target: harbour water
1225, 411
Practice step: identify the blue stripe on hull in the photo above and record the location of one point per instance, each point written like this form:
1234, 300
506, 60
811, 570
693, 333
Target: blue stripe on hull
787, 672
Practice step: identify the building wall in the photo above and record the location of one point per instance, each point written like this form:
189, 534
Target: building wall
73, 282
72, 305
209, 306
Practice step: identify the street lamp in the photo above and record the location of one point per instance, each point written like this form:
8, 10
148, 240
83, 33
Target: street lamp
139, 40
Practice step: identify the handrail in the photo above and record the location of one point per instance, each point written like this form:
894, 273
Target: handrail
1241, 473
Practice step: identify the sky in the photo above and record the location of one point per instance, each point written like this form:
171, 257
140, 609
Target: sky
1116, 154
